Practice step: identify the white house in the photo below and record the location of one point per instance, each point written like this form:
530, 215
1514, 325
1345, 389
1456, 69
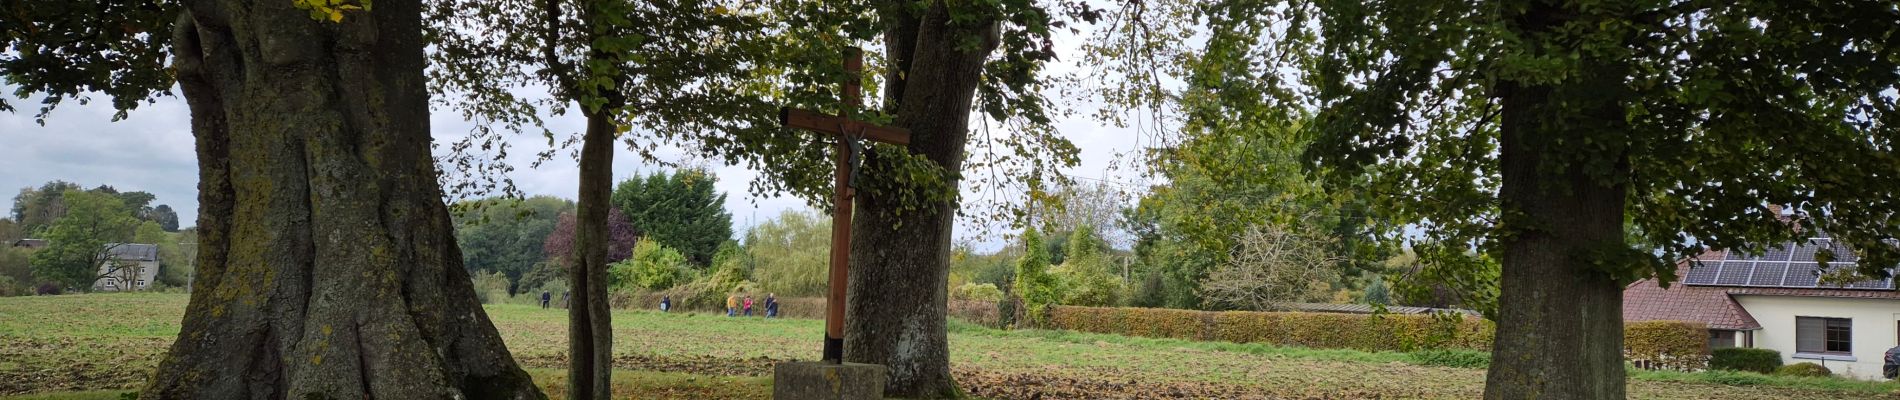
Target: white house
127, 266
1775, 301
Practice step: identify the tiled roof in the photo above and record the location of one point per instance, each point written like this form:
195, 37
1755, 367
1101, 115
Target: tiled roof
133, 251
1838, 293
1647, 301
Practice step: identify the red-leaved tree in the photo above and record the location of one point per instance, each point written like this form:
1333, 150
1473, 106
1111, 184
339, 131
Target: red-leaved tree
621, 237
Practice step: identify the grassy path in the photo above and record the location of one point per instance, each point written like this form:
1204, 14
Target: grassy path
95, 342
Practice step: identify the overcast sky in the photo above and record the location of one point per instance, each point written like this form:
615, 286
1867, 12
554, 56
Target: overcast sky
152, 151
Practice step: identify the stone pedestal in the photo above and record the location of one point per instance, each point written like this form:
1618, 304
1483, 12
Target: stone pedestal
816, 380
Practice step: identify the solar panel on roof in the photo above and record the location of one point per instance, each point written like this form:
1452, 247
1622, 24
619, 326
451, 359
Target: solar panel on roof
1777, 253
1805, 252
1703, 274
1768, 274
1736, 255
1734, 273
1803, 275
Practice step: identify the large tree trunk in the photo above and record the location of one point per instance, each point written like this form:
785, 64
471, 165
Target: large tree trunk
589, 329
326, 266
1560, 323
900, 259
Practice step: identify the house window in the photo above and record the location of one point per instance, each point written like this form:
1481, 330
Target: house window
1823, 335
141, 283
110, 285
1721, 339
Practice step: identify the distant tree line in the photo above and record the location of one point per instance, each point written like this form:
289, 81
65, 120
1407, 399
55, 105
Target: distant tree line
80, 227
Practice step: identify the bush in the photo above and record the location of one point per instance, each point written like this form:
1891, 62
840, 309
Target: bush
47, 289
1744, 359
1452, 358
1314, 330
1804, 369
1737, 378
492, 288
653, 267
984, 292
1672, 345
976, 312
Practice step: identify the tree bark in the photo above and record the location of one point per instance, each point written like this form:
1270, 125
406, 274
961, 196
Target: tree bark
327, 266
590, 329
1560, 322
895, 315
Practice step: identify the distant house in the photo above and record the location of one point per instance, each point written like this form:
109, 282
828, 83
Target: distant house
30, 243
1775, 301
128, 266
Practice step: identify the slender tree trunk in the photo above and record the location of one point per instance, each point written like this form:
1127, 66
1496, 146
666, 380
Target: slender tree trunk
1560, 323
590, 329
900, 259
327, 267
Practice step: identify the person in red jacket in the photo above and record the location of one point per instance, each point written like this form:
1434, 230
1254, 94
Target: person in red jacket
748, 305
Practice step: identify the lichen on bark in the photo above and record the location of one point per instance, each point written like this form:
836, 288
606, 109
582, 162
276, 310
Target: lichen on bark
327, 268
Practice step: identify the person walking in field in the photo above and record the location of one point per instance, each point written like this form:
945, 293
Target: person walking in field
771, 306
732, 304
748, 305
666, 303
544, 299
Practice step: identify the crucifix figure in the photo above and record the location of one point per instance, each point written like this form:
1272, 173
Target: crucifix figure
847, 150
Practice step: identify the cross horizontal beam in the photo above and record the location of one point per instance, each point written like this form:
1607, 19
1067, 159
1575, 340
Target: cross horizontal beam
832, 124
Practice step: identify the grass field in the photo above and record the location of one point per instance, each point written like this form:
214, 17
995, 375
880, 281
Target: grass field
94, 346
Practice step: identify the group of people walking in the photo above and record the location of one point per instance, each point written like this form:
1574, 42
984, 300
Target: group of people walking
736, 305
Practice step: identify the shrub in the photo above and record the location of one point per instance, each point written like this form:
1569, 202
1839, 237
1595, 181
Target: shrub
1451, 358
985, 292
653, 266
1038, 289
976, 312
1006, 311
1737, 378
491, 288
1744, 359
1804, 369
1672, 345
1315, 330
47, 289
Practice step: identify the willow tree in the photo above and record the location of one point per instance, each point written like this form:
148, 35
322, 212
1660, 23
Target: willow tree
327, 267
1582, 144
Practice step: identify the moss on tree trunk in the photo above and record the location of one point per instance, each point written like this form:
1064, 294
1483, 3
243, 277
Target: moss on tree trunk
327, 266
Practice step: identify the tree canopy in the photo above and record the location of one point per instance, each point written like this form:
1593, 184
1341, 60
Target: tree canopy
78, 240
507, 236
681, 210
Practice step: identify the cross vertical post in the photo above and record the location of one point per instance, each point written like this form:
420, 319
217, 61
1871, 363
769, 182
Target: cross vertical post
847, 132
841, 212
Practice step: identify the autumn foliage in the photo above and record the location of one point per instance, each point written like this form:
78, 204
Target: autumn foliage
1674, 345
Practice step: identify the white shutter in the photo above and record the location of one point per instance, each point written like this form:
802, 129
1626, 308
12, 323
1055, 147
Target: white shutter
1810, 335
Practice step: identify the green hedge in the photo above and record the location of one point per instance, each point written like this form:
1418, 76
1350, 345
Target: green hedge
1316, 330
1745, 359
1667, 344
1671, 345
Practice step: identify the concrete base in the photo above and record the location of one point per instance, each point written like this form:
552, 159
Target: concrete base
817, 380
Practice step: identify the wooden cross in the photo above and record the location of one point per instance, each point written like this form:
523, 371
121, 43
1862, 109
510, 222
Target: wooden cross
847, 131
